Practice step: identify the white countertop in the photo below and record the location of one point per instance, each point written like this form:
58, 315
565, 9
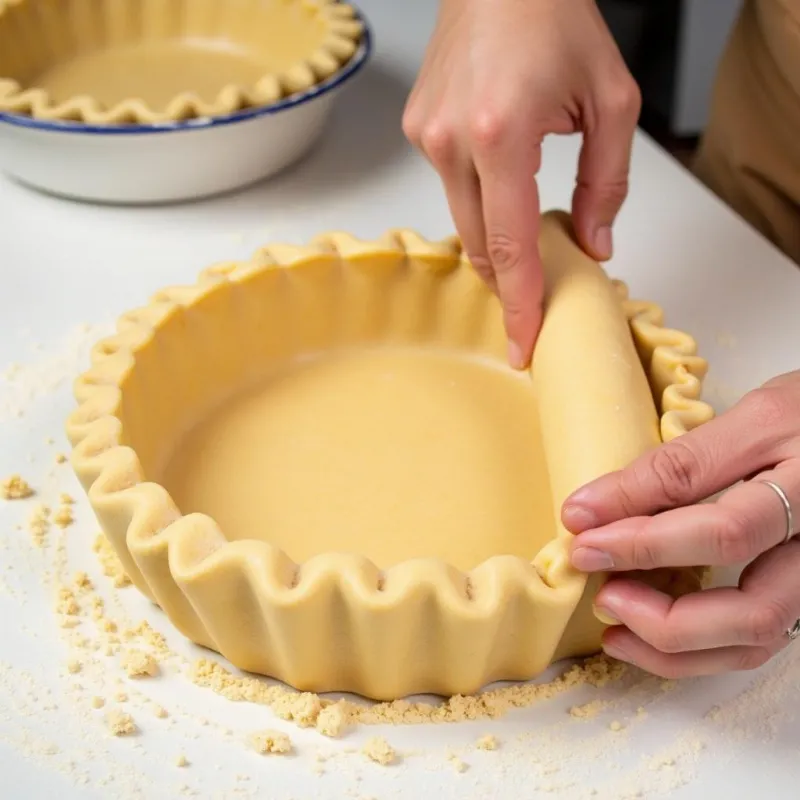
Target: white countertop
64, 264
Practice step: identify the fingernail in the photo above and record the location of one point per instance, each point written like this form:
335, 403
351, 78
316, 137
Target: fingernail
515, 357
590, 559
617, 652
578, 518
602, 242
604, 615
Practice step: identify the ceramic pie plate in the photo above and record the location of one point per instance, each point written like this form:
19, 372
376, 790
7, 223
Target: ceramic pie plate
157, 100
318, 464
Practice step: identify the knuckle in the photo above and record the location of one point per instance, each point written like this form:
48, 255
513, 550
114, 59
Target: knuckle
767, 407
669, 641
752, 658
488, 128
677, 470
412, 126
483, 266
644, 552
437, 139
767, 623
504, 251
731, 541
622, 98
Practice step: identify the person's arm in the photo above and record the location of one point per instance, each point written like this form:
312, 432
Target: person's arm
500, 75
650, 515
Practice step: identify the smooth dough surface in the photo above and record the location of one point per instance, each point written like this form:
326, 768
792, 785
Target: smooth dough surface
155, 72
393, 453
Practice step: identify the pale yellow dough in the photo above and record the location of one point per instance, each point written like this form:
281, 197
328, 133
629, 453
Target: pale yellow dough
318, 463
123, 61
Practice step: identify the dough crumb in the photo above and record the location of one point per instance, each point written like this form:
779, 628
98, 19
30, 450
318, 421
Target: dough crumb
588, 710
66, 499
458, 764
304, 708
120, 723
109, 561
487, 742
60, 458
66, 603
271, 742
15, 488
138, 664
74, 666
39, 524
332, 720
160, 712
63, 516
98, 702
615, 725
181, 761
377, 749
121, 697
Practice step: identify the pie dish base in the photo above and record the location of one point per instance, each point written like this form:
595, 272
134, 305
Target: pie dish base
339, 445
339, 621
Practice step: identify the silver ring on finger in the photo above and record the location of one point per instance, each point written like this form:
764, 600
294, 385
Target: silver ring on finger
787, 507
794, 631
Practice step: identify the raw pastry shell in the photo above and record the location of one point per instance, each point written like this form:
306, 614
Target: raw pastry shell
36, 34
337, 622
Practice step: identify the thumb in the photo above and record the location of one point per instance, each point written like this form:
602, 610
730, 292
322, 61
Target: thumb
603, 166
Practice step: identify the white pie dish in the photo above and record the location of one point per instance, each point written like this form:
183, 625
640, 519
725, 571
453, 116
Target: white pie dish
170, 161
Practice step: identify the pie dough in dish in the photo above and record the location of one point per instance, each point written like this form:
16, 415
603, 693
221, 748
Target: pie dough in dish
318, 463
152, 61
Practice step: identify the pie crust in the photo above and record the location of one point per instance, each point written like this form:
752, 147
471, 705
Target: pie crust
151, 61
306, 340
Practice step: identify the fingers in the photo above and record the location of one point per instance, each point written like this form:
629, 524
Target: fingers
706, 632
603, 166
507, 163
747, 439
623, 645
744, 523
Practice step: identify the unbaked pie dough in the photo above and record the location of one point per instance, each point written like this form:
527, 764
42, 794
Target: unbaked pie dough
138, 61
318, 463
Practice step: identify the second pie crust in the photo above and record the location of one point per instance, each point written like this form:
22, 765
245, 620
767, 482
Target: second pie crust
108, 61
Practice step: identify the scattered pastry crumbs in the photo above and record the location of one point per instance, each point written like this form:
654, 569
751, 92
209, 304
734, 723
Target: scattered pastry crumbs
98, 702
121, 697
304, 708
271, 742
60, 458
487, 742
332, 720
181, 761
15, 488
39, 524
616, 725
66, 603
160, 712
588, 710
377, 749
63, 516
66, 499
74, 666
458, 764
109, 561
120, 723
139, 664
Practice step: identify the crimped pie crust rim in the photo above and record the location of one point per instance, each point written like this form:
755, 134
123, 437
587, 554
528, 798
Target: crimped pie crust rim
114, 481
347, 48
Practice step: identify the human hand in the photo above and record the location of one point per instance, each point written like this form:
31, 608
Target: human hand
498, 76
649, 515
